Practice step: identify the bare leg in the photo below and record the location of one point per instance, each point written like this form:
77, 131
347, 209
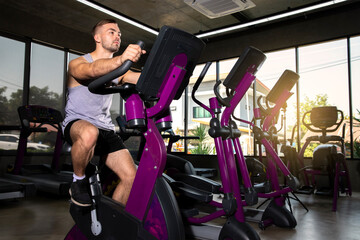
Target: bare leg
84, 136
123, 165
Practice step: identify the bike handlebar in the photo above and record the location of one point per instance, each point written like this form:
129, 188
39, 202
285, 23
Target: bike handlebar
98, 85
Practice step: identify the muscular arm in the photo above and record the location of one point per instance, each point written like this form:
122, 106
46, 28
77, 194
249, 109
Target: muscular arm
83, 71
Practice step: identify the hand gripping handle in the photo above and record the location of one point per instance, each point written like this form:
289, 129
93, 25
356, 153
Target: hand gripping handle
97, 86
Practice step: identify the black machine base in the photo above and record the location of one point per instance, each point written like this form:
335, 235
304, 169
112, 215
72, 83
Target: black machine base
234, 230
120, 225
278, 215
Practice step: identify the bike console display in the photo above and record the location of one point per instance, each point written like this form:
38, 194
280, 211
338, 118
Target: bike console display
170, 43
249, 61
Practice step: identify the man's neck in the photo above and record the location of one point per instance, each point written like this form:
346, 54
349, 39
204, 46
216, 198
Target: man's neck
101, 53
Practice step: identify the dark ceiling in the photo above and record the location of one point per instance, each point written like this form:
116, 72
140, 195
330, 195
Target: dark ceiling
68, 23
71, 14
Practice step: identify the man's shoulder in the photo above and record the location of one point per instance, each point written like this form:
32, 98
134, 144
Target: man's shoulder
76, 62
80, 59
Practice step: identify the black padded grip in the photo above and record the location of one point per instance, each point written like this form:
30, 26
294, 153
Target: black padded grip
97, 86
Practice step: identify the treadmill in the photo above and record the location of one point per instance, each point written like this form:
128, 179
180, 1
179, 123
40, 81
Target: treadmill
12, 189
46, 177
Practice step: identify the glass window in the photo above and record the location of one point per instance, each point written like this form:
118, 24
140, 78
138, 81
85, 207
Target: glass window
177, 109
199, 118
115, 107
46, 85
274, 66
72, 56
323, 80
355, 85
199, 112
11, 79
46, 76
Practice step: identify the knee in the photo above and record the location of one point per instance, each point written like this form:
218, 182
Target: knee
130, 175
87, 138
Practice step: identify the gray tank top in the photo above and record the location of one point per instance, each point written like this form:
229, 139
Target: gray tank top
82, 104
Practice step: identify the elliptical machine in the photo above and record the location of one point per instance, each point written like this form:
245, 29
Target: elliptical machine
268, 114
275, 213
226, 135
151, 211
329, 157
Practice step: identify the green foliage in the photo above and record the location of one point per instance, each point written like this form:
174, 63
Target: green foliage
307, 105
358, 119
310, 149
357, 148
200, 132
3, 105
39, 96
357, 141
201, 147
44, 97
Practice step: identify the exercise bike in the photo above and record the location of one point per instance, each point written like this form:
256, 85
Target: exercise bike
151, 211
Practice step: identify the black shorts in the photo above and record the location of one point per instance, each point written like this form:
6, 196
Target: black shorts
108, 141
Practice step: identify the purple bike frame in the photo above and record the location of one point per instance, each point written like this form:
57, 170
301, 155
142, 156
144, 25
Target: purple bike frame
153, 159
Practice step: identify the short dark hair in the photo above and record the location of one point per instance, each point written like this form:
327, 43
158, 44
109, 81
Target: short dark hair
101, 23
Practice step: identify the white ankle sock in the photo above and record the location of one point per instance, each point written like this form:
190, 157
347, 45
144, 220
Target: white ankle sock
76, 177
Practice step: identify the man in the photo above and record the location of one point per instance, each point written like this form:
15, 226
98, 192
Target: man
87, 120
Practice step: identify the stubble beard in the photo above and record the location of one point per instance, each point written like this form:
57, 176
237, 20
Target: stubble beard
111, 47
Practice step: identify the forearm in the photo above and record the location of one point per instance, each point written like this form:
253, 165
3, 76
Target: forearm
103, 66
130, 77
81, 70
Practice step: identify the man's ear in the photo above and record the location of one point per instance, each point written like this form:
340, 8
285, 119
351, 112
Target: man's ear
97, 38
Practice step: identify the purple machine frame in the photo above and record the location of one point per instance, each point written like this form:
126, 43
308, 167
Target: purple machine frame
224, 150
153, 160
169, 66
273, 160
227, 159
143, 203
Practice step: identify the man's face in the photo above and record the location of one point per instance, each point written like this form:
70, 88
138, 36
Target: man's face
110, 37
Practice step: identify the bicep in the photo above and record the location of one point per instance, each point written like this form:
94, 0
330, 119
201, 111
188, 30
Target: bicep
80, 69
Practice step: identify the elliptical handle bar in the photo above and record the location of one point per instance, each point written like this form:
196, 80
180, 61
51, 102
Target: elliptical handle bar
201, 77
224, 101
97, 86
264, 111
196, 86
310, 125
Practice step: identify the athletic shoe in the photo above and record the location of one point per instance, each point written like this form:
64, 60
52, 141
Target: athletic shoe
80, 193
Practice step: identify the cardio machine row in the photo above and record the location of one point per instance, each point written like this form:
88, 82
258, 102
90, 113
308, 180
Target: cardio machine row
152, 211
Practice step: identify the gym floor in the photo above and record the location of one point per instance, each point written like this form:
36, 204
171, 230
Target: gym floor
47, 217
